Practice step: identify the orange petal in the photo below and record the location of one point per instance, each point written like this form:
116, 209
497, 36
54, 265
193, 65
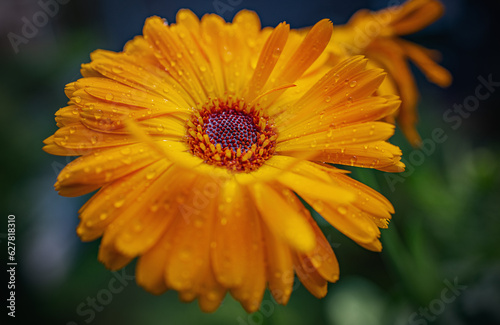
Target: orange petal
105, 166
309, 276
115, 198
267, 60
283, 221
231, 252
280, 273
250, 292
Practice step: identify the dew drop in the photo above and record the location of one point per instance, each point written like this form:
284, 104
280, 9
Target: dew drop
117, 70
109, 97
78, 99
72, 129
227, 56
353, 84
328, 99
119, 203
349, 101
212, 296
98, 114
342, 210
251, 42
185, 255
319, 206
93, 139
125, 151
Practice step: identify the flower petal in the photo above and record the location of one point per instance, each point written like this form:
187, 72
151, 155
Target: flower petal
282, 220
267, 60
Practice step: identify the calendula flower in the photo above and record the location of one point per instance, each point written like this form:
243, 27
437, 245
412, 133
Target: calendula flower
199, 137
376, 35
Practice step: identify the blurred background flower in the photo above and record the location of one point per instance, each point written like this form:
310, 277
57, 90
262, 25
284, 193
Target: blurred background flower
440, 262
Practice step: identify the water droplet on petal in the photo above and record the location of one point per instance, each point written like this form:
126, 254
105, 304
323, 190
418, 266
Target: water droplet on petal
185, 255
353, 160
319, 206
342, 210
119, 203
109, 97
349, 101
227, 56
212, 295
353, 84
98, 114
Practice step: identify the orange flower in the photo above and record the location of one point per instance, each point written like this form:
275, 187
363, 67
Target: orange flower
199, 137
375, 34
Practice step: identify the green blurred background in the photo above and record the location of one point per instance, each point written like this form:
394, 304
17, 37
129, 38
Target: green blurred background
445, 233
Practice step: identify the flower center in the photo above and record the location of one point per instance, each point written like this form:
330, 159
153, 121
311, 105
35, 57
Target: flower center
231, 134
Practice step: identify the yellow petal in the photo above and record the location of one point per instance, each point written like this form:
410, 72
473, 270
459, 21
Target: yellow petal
280, 273
115, 198
231, 251
267, 60
283, 221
